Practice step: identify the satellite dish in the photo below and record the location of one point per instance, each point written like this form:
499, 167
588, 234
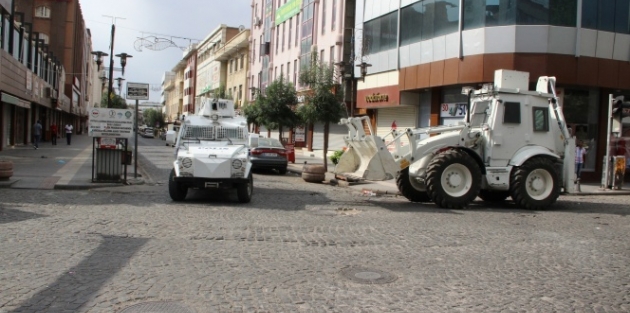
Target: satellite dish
241, 28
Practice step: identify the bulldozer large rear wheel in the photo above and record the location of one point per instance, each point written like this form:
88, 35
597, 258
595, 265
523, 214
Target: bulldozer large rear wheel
407, 190
453, 179
535, 184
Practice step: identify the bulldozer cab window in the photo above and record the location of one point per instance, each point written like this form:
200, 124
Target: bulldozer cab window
512, 113
480, 111
541, 119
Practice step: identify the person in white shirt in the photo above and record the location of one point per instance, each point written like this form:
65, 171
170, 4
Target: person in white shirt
68, 129
580, 153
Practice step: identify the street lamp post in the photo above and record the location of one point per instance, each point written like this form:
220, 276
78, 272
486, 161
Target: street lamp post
119, 82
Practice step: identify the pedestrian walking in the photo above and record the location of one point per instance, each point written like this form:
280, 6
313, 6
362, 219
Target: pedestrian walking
53, 133
68, 133
580, 153
37, 133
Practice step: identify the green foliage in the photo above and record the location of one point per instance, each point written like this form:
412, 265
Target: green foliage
274, 108
336, 156
324, 101
153, 118
116, 103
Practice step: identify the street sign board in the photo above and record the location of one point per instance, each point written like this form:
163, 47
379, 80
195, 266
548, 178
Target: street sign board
111, 123
137, 91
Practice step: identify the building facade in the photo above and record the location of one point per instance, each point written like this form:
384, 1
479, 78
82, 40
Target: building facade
284, 36
31, 81
422, 53
61, 28
212, 73
235, 54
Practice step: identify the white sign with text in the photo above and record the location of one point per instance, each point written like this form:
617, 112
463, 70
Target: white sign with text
111, 123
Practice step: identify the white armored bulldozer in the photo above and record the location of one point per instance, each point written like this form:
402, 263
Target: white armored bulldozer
211, 152
513, 142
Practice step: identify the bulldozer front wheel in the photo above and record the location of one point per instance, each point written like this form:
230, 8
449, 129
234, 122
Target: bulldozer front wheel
453, 179
493, 196
407, 190
535, 184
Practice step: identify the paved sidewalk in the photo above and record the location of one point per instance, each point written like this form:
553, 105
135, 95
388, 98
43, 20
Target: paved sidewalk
60, 166
70, 167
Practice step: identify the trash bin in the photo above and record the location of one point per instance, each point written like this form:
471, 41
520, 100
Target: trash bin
290, 153
108, 165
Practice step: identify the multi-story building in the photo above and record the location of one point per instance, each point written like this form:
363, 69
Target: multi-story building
235, 54
61, 27
190, 78
31, 78
173, 93
284, 36
211, 73
422, 53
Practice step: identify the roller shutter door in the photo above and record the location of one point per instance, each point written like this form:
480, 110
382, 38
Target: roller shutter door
404, 117
335, 136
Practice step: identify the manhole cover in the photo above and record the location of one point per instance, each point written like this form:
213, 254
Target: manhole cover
157, 307
368, 276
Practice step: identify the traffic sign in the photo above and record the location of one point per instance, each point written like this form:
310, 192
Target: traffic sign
137, 91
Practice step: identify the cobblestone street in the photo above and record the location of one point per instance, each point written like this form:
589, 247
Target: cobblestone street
295, 248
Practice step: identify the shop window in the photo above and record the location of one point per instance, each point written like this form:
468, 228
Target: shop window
512, 113
541, 119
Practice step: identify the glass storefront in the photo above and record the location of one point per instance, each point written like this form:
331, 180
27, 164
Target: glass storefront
581, 110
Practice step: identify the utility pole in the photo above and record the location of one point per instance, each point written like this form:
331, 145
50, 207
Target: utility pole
111, 61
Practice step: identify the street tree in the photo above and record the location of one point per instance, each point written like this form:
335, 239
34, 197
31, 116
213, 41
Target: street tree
277, 106
252, 113
117, 102
153, 118
323, 102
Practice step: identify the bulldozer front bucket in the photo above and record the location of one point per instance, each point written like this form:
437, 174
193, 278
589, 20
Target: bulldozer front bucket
366, 156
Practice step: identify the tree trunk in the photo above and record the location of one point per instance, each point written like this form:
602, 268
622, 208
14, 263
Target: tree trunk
280, 134
326, 129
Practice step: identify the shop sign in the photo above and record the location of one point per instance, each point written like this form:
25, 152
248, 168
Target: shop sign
376, 97
111, 123
288, 10
300, 134
453, 110
7, 98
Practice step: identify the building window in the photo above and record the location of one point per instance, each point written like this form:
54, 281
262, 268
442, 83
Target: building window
288, 71
277, 38
611, 15
297, 29
42, 11
281, 70
541, 119
323, 16
333, 19
289, 35
381, 33
331, 56
242, 60
483, 13
283, 24
422, 21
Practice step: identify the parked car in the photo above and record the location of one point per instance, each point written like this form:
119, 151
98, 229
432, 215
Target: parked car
269, 154
148, 133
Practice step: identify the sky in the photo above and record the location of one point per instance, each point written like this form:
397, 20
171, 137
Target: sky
182, 21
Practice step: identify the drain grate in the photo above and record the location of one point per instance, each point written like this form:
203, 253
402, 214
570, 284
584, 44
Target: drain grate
157, 307
364, 275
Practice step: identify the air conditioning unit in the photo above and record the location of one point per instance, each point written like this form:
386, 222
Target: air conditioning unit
50, 93
265, 48
257, 21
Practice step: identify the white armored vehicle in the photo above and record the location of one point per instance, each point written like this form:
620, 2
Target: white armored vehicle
211, 152
513, 142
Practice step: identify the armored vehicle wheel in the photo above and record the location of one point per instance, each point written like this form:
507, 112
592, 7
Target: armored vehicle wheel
493, 196
453, 179
407, 190
244, 191
175, 189
535, 184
